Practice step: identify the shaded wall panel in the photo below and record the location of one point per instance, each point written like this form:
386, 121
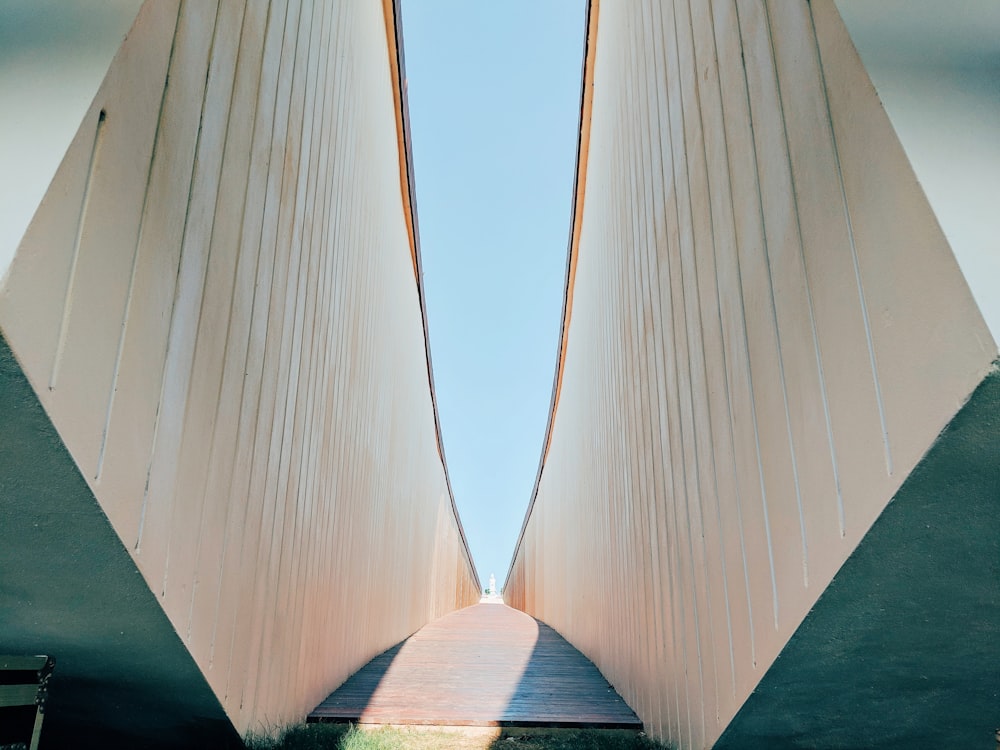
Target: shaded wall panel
766, 331
216, 303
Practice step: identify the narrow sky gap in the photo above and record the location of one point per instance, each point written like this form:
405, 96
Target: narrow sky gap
494, 101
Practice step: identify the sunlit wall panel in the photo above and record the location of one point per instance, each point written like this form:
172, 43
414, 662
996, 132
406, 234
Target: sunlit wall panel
765, 331
216, 303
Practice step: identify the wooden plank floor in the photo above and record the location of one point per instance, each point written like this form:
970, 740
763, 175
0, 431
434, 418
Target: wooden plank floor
486, 665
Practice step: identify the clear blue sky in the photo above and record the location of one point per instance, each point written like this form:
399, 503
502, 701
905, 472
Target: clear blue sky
494, 97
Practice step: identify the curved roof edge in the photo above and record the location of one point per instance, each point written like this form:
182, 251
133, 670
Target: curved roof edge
572, 251
397, 67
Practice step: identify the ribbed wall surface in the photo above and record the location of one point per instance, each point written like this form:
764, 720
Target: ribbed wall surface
216, 303
766, 331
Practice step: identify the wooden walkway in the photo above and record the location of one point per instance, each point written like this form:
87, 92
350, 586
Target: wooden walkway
486, 665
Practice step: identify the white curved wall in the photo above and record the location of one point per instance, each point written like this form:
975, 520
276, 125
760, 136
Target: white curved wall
767, 329
216, 303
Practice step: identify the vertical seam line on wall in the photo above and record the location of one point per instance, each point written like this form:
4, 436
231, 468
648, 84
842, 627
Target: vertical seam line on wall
693, 428
135, 258
715, 468
290, 252
264, 544
346, 449
95, 152
170, 541
343, 297
749, 370
679, 651
335, 450
333, 239
330, 349
725, 358
805, 276
661, 364
760, 466
218, 391
258, 255
173, 304
749, 367
854, 252
654, 363
777, 328
318, 356
291, 395
253, 299
699, 325
634, 393
261, 252
304, 403
677, 496
617, 511
289, 560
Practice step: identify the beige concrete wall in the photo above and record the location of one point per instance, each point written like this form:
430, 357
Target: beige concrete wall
935, 67
53, 57
216, 303
766, 330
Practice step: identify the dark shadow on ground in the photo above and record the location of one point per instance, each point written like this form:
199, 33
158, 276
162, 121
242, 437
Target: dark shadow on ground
901, 650
573, 739
560, 687
69, 589
348, 702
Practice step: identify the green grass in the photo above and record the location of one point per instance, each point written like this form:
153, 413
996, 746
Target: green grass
573, 739
347, 737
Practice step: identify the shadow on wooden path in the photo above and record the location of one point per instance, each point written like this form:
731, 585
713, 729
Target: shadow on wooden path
486, 665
